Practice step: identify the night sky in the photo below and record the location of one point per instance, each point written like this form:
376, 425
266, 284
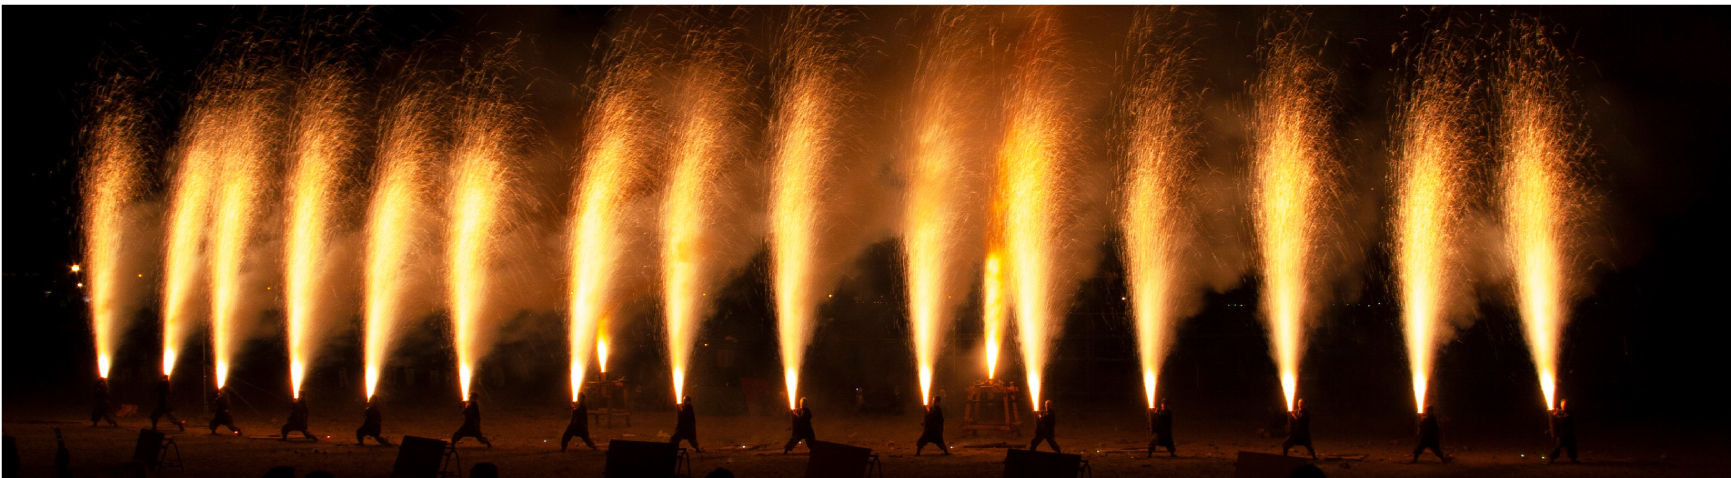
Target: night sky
1647, 341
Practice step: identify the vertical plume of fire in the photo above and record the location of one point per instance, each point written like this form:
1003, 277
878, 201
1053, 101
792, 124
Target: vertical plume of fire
623, 130
1159, 147
995, 305
708, 132
245, 161
812, 94
488, 137
937, 229
1289, 175
1539, 142
184, 258
113, 184
1034, 188
1431, 169
324, 142
399, 218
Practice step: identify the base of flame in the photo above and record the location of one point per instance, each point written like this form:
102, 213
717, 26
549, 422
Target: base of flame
1548, 383
1419, 384
792, 388
168, 361
1148, 382
1034, 390
372, 378
102, 364
464, 375
925, 384
297, 373
221, 373
1289, 385
678, 385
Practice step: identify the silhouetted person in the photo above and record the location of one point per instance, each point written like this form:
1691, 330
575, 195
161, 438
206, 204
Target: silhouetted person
1045, 428
1563, 429
1298, 430
62, 457
297, 420
471, 424
1429, 435
801, 428
933, 427
579, 426
1160, 424
223, 416
163, 409
102, 410
686, 426
373, 426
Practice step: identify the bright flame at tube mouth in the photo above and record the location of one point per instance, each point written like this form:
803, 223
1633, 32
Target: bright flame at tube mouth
297, 374
464, 374
102, 364
1548, 383
994, 313
601, 351
221, 373
372, 380
1289, 384
792, 388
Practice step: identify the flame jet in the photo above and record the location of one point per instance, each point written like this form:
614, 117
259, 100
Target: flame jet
400, 218
814, 92
245, 156
114, 184
324, 144
1433, 157
1290, 171
712, 101
1156, 225
1539, 142
488, 140
1036, 181
938, 227
995, 305
185, 260
622, 141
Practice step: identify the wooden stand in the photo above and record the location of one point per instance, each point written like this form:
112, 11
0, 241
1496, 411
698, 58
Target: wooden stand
992, 405
609, 398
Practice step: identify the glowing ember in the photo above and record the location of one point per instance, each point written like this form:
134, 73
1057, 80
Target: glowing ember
708, 138
937, 225
1152, 218
325, 138
114, 182
1290, 180
1431, 169
1540, 197
400, 219
1034, 187
621, 144
811, 97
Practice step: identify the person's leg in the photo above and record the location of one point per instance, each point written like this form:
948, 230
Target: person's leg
591, 444
1555, 450
456, 437
1054, 443
1171, 449
919, 445
214, 422
943, 446
1572, 452
1310, 448
790, 443
565, 440
285, 430
154, 415
1033, 445
1286, 446
177, 421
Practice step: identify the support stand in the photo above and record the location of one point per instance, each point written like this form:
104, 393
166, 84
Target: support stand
612, 396
451, 464
162, 461
877, 465
682, 463
986, 399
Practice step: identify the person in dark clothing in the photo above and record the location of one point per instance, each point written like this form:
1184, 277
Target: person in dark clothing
1160, 423
1563, 429
1045, 428
102, 410
801, 428
579, 426
163, 390
297, 420
1429, 436
223, 417
372, 426
686, 426
933, 427
471, 424
1298, 430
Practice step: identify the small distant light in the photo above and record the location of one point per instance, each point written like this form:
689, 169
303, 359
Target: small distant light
75, 268
81, 284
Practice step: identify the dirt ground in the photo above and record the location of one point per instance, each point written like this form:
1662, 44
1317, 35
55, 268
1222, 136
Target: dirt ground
526, 444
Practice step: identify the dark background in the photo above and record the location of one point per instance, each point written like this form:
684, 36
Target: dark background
1647, 344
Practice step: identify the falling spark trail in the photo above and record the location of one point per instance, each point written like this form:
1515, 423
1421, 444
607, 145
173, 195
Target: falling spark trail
1035, 184
113, 183
618, 153
936, 228
1152, 218
399, 218
812, 99
708, 131
1539, 194
488, 137
324, 143
1290, 180
1431, 169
